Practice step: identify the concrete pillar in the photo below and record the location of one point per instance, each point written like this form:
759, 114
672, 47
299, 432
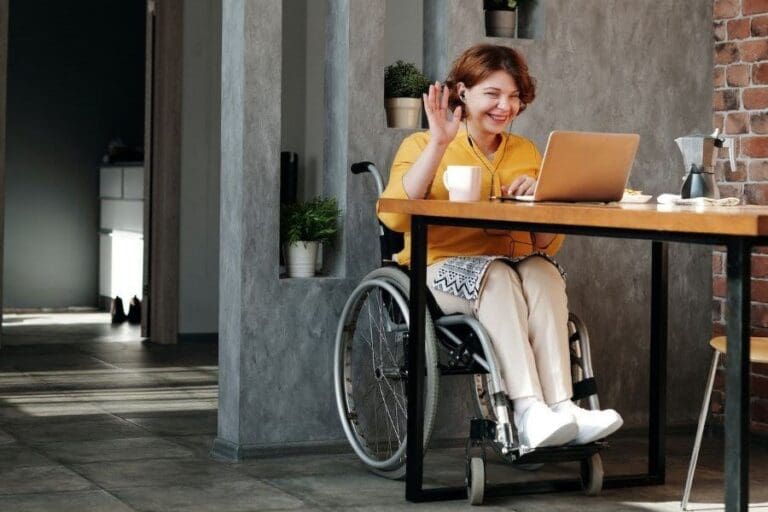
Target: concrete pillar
276, 335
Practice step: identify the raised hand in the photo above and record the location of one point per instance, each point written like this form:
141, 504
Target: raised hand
442, 129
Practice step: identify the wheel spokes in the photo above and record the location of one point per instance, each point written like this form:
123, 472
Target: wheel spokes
380, 409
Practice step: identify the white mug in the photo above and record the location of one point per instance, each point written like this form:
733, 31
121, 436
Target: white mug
464, 182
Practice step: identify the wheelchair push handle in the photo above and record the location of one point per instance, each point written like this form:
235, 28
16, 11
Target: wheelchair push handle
361, 167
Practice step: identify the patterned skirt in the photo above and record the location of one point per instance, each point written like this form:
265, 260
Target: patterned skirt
462, 276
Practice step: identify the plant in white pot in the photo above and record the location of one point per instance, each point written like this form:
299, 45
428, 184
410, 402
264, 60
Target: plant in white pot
403, 86
500, 18
303, 227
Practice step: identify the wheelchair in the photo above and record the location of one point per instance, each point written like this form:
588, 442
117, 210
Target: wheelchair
370, 377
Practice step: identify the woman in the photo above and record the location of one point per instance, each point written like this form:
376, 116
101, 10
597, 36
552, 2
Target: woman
506, 279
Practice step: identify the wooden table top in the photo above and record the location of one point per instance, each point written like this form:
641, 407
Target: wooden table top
718, 220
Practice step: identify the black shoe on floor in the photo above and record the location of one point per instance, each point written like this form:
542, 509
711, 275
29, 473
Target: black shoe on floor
134, 311
116, 311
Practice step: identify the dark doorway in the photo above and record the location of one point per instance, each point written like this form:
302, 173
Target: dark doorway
75, 124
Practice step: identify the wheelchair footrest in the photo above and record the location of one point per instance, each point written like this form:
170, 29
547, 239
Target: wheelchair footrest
560, 453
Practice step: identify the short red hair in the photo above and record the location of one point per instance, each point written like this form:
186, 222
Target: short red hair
480, 61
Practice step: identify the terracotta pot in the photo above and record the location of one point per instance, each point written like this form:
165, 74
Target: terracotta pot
500, 23
403, 112
301, 260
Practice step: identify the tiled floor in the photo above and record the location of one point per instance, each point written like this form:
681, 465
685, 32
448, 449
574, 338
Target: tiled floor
91, 419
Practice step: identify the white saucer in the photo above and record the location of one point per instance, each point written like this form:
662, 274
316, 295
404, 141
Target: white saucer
635, 198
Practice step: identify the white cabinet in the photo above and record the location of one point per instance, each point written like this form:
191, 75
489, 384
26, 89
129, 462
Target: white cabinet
121, 228
119, 215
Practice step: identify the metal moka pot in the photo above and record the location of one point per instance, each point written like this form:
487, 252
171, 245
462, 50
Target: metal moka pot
699, 157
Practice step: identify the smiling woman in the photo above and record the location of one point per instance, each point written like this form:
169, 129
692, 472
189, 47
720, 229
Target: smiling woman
506, 279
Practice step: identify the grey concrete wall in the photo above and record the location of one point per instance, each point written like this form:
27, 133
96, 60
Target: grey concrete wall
75, 81
276, 382
403, 26
200, 163
303, 86
315, 109
294, 55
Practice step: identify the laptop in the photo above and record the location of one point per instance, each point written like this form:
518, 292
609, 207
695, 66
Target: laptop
584, 166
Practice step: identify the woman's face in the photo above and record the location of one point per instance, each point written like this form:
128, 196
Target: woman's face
493, 103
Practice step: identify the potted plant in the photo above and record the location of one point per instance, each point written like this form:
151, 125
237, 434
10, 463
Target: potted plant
303, 227
403, 86
500, 18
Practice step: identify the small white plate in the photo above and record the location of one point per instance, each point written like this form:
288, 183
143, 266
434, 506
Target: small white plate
636, 198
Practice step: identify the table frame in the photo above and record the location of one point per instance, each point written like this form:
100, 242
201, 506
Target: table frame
738, 271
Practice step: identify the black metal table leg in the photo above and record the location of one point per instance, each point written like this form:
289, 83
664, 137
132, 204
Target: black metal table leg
414, 470
657, 399
737, 412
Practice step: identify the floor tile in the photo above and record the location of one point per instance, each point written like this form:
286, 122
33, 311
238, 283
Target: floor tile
157, 404
12, 381
195, 376
49, 430
6, 438
136, 448
37, 479
342, 490
18, 456
202, 423
43, 407
98, 379
159, 473
302, 465
241, 496
79, 501
42, 363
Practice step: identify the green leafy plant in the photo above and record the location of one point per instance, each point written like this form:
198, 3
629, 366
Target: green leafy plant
315, 220
500, 5
404, 80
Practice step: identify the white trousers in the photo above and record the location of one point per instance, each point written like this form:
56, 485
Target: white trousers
525, 311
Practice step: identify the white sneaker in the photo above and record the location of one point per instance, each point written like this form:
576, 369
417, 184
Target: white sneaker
539, 426
592, 425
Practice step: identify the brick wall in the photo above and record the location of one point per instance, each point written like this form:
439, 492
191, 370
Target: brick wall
741, 110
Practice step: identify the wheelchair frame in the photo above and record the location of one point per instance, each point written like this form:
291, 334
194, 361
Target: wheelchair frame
468, 350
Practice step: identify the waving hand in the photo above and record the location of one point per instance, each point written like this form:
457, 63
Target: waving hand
441, 128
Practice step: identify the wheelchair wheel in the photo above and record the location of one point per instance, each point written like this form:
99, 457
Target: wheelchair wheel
592, 475
370, 371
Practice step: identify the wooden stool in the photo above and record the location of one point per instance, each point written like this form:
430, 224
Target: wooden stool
758, 353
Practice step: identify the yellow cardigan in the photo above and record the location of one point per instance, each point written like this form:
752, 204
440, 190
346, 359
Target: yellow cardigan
516, 156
